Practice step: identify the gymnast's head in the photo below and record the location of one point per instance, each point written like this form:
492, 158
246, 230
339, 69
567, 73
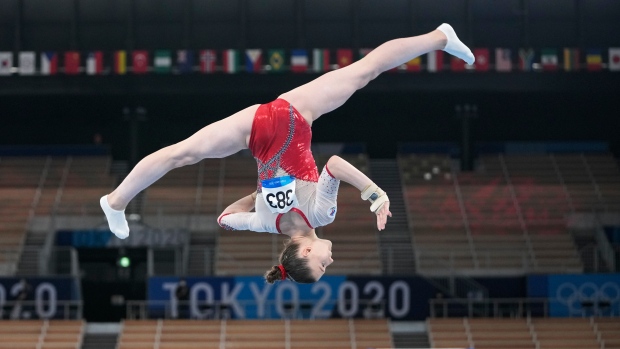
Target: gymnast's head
303, 260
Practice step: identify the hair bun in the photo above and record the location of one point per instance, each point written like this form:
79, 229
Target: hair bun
274, 274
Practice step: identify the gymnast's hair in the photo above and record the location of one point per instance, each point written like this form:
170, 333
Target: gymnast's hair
292, 266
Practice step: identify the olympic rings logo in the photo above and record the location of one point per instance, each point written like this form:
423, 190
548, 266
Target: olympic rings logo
573, 296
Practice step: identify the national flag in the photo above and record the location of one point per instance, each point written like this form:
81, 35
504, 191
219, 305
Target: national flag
72, 62
208, 60
614, 58
457, 64
49, 63
27, 63
162, 63
503, 59
253, 60
299, 61
413, 65
549, 59
120, 62
6, 63
594, 59
434, 61
364, 51
140, 61
185, 61
320, 60
482, 59
526, 59
276, 60
344, 57
571, 59
230, 61
94, 63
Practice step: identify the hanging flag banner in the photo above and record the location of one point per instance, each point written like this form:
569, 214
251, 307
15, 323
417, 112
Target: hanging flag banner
185, 61
434, 61
482, 59
94, 63
320, 60
72, 63
140, 61
526, 59
571, 59
414, 65
503, 59
49, 63
253, 60
614, 58
162, 62
231, 61
299, 61
457, 64
120, 62
6, 63
549, 59
344, 57
594, 59
208, 60
276, 60
27, 63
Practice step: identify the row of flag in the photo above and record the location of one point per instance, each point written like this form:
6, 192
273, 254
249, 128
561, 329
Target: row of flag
297, 61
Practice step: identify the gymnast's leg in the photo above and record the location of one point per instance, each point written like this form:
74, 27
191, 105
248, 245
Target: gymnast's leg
217, 140
331, 90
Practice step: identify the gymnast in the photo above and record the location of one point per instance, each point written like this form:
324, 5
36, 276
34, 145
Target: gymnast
291, 197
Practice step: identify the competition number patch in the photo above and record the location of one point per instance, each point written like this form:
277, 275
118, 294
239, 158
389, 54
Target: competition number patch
279, 194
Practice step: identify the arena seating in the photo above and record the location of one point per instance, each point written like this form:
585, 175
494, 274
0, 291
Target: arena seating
185, 190
207, 334
543, 333
510, 213
74, 184
36, 334
41, 186
19, 180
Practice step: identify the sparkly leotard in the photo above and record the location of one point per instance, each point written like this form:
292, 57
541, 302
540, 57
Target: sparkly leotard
280, 143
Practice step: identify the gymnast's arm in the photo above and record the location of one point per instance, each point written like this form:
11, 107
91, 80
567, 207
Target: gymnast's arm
341, 169
237, 216
245, 204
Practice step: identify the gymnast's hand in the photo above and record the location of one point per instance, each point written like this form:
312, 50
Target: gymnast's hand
382, 215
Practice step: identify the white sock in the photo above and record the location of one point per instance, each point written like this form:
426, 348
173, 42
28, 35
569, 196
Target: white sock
116, 219
454, 46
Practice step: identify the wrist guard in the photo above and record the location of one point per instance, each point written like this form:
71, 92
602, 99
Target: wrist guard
375, 195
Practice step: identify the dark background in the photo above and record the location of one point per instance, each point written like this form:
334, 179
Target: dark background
392, 109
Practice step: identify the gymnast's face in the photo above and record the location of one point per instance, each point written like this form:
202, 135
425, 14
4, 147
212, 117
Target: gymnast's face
319, 254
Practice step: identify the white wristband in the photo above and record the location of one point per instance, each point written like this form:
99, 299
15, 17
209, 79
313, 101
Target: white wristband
375, 195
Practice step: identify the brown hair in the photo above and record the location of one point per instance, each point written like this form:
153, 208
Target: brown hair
296, 267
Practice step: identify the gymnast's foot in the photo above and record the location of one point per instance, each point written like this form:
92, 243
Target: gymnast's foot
116, 219
454, 46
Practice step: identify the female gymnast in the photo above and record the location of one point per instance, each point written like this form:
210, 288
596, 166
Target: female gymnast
291, 197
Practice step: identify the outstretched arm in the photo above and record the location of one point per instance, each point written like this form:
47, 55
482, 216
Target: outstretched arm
341, 169
245, 204
237, 216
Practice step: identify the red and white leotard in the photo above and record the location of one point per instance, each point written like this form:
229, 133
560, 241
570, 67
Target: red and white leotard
280, 143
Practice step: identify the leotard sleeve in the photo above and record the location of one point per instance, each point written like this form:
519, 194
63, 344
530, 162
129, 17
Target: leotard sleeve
242, 221
325, 206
